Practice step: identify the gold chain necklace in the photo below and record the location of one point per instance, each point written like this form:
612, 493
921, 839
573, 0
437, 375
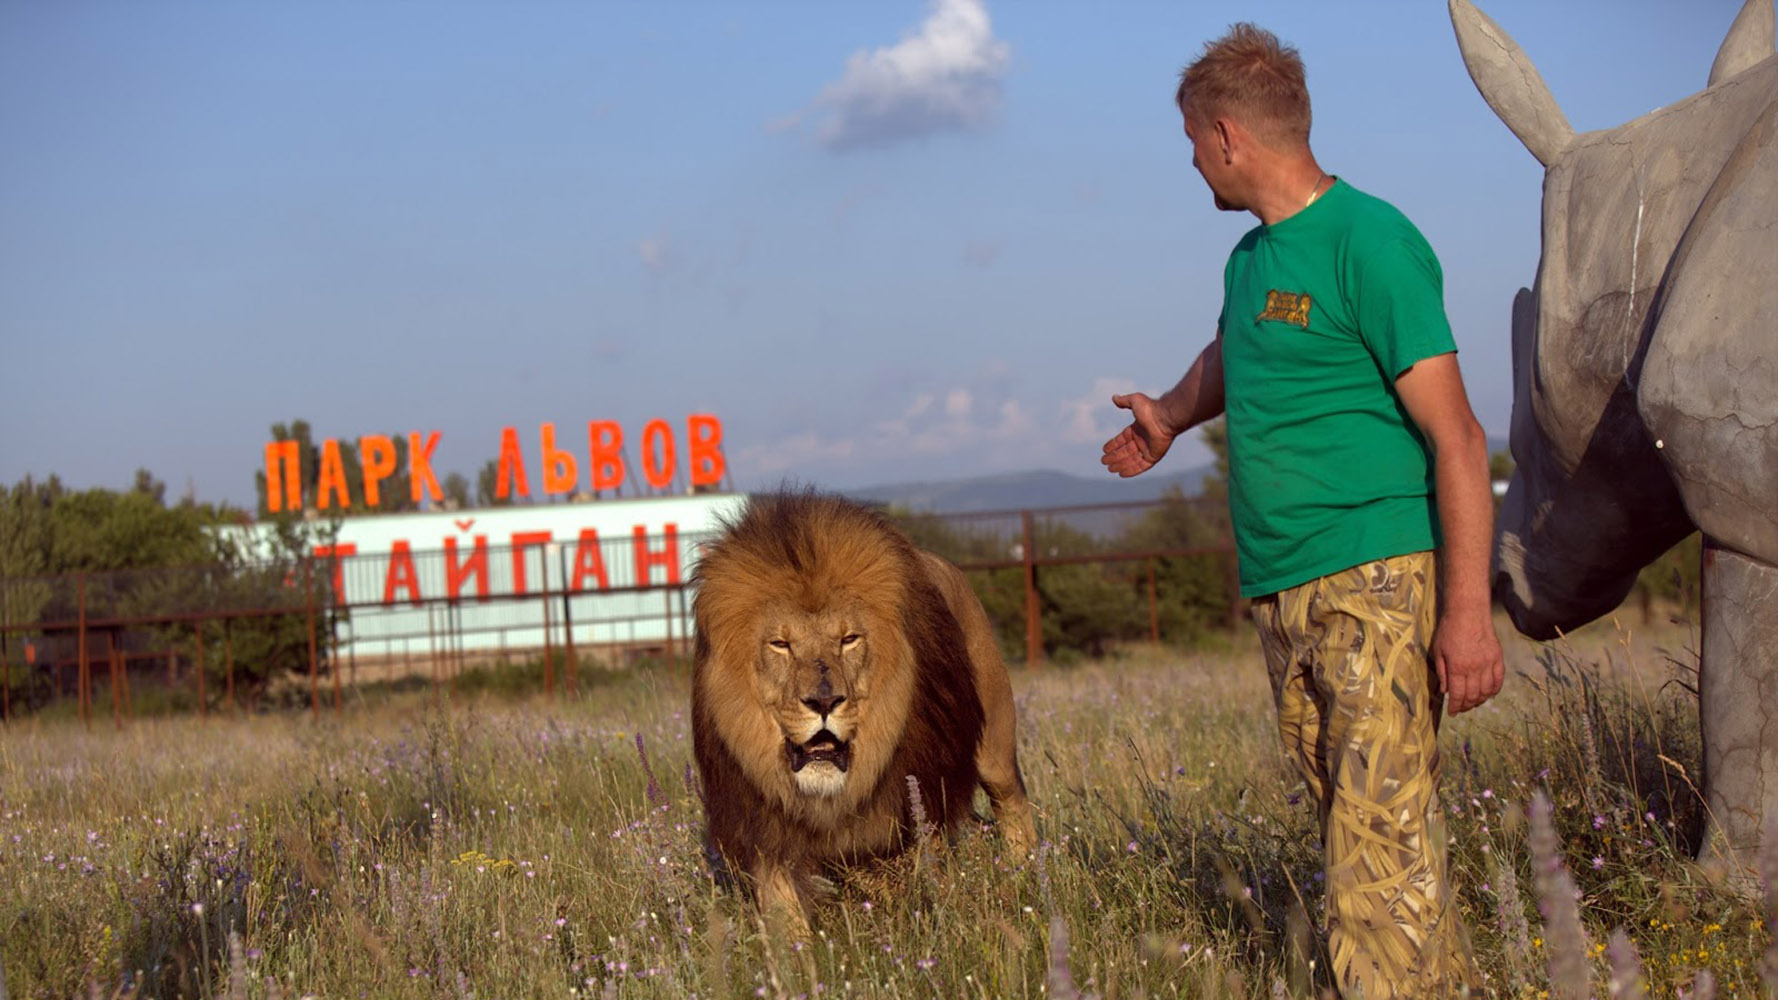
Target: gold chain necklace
1315, 192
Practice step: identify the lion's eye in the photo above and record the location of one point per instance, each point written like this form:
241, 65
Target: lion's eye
781, 645
851, 639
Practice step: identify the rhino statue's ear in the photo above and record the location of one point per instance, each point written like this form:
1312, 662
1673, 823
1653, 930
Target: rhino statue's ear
1750, 40
1510, 83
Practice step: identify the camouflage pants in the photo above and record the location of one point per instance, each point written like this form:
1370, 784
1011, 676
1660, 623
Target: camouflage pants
1358, 707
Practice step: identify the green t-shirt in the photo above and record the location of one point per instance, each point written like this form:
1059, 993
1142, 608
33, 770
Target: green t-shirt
1321, 313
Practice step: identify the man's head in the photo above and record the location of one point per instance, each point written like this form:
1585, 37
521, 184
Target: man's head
1244, 96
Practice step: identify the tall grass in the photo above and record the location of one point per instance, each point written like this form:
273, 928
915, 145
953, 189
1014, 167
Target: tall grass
495, 846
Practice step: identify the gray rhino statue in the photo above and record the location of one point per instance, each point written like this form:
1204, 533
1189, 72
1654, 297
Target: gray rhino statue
1645, 364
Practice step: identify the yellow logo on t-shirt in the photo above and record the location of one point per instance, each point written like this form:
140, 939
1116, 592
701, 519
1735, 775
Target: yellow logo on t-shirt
1287, 307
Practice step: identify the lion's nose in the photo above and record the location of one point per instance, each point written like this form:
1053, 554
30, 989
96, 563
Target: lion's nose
824, 701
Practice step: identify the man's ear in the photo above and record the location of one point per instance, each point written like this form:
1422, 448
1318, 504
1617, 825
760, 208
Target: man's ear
1225, 138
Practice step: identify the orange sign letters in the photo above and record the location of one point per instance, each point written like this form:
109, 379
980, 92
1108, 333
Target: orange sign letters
607, 466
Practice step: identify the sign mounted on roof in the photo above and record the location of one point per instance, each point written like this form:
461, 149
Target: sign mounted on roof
562, 474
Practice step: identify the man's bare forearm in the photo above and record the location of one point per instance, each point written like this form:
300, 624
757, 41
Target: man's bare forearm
1466, 519
1197, 396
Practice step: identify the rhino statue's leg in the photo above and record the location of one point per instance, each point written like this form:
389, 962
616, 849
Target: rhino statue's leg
1738, 706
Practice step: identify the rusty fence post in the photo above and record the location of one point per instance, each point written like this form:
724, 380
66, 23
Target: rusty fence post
1232, 574
571, 668
333, 662
82, 677
1033, 613
686, 625
203, 707
123, 679
314, 662
459, 658
120, 669
432, 653
549, 648
228, 663
115, 657
1154, 607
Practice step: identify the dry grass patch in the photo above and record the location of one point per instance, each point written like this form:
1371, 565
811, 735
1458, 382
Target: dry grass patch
516, 848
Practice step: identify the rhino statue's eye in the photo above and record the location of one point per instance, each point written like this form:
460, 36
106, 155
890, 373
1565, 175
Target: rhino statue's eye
851, 639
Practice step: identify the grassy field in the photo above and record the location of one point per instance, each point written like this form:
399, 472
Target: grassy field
507, 847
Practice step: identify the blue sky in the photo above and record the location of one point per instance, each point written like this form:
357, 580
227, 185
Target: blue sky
882, 241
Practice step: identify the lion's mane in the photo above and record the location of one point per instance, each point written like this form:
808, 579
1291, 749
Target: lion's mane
924, 718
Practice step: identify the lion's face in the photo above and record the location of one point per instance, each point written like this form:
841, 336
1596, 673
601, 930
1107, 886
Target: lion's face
805, 674
839, 671
814, 673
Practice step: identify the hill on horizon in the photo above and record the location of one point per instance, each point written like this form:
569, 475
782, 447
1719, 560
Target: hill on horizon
1037, 488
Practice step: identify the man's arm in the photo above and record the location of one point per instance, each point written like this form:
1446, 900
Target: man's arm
1196, 398
1464, 647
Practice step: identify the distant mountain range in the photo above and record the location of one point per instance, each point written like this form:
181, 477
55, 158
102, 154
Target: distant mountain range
1028, 490
1041, 488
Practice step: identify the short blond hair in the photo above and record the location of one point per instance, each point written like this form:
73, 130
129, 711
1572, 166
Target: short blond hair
1249, 75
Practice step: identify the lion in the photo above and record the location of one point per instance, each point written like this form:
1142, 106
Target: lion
834, 662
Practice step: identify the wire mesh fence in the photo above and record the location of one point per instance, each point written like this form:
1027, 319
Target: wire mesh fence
238, 634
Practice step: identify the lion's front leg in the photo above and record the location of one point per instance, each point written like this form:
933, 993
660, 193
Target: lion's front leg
1013, 815
997, 765
781, 902
997, 753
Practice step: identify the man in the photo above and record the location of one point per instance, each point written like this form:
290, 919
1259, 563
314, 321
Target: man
1353, 455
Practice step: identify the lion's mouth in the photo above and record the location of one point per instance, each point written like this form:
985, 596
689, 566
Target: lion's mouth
823, 747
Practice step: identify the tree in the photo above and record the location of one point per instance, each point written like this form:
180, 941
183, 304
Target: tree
1192, 593
1216, 437
258, 575
1674, 578
1087, 607
456, 491
150, 487
153, 564
25, 527
487, 487
1500, 466
308, 462
394, 493
25, 535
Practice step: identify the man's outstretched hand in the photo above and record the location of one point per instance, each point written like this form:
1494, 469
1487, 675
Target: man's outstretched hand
1136, 448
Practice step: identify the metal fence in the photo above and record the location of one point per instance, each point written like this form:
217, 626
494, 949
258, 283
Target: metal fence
220, 636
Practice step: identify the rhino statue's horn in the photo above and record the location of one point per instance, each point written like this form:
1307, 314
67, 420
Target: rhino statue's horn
1749, 42
1510, 83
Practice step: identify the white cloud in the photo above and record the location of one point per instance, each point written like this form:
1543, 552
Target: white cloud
1091, 419
957, 404
944, 76
805, 451
1015, 420
959, 425
977, 424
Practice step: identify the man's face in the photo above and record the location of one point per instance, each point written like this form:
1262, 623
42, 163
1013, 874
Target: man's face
1207, 157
